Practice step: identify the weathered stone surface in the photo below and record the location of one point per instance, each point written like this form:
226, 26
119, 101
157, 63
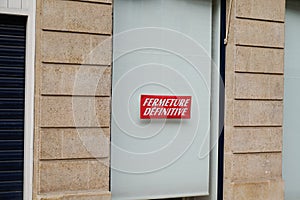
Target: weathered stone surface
259, 33
77, 16
74, 143
227, 165
58, 176
99, 175
258, 113
51, 144
88, 195
75, 111
64, 176
251, 191
73, 48
98, 1
255, 59
258, 190
273, 10
76, 80
257, 139
256, 166
258, 86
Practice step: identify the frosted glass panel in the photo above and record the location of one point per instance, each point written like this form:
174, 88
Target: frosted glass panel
160, 47
291, 136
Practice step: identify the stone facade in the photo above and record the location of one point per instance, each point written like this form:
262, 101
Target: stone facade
254, 100
72, 100
71, 146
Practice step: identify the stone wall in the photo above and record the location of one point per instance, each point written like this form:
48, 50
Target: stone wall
72, 99
254, 100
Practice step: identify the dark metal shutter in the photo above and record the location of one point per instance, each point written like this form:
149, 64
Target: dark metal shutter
12, 86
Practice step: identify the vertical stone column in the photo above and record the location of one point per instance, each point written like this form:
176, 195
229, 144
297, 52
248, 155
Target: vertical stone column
254, 100
72, 101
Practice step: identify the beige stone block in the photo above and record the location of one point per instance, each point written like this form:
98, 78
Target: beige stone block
255, 59
51, 144
77, 16
229, 84
227, 190
230, 56
251, 191
98, 1
262, 139
258, 9
74, 143
258, 86
259, 33
99, 175
58, 176
228, 131
86, 143
228, 124
63, 111
76, 80
88, 195
256, 166
227, 165
258, 113
276, 190
228, 115
73, 48
259, 190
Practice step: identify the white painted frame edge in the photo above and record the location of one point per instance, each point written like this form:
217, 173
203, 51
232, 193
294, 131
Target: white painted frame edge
29, 93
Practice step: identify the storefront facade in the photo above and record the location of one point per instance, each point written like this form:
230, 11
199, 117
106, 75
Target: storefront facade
74, 68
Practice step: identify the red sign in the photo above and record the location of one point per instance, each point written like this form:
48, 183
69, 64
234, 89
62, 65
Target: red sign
165, 107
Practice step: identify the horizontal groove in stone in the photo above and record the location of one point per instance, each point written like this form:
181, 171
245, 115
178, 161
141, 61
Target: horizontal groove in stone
79, 64
74, 159
256, 152
59, 195
72, 127
67, 95
259, 33
50, 64
75, 32
259, 46
94, 2
259, 19
258, 73
248, 99
258, 126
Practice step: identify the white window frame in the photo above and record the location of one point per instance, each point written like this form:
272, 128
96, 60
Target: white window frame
30, 13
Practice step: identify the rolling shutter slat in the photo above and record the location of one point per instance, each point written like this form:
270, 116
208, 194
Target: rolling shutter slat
11, 155
10, 186
12, 91
11, 166
12, 82
11, 103
11, 145
11, 114
8, 176
11, 195
11, 70
11, 124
